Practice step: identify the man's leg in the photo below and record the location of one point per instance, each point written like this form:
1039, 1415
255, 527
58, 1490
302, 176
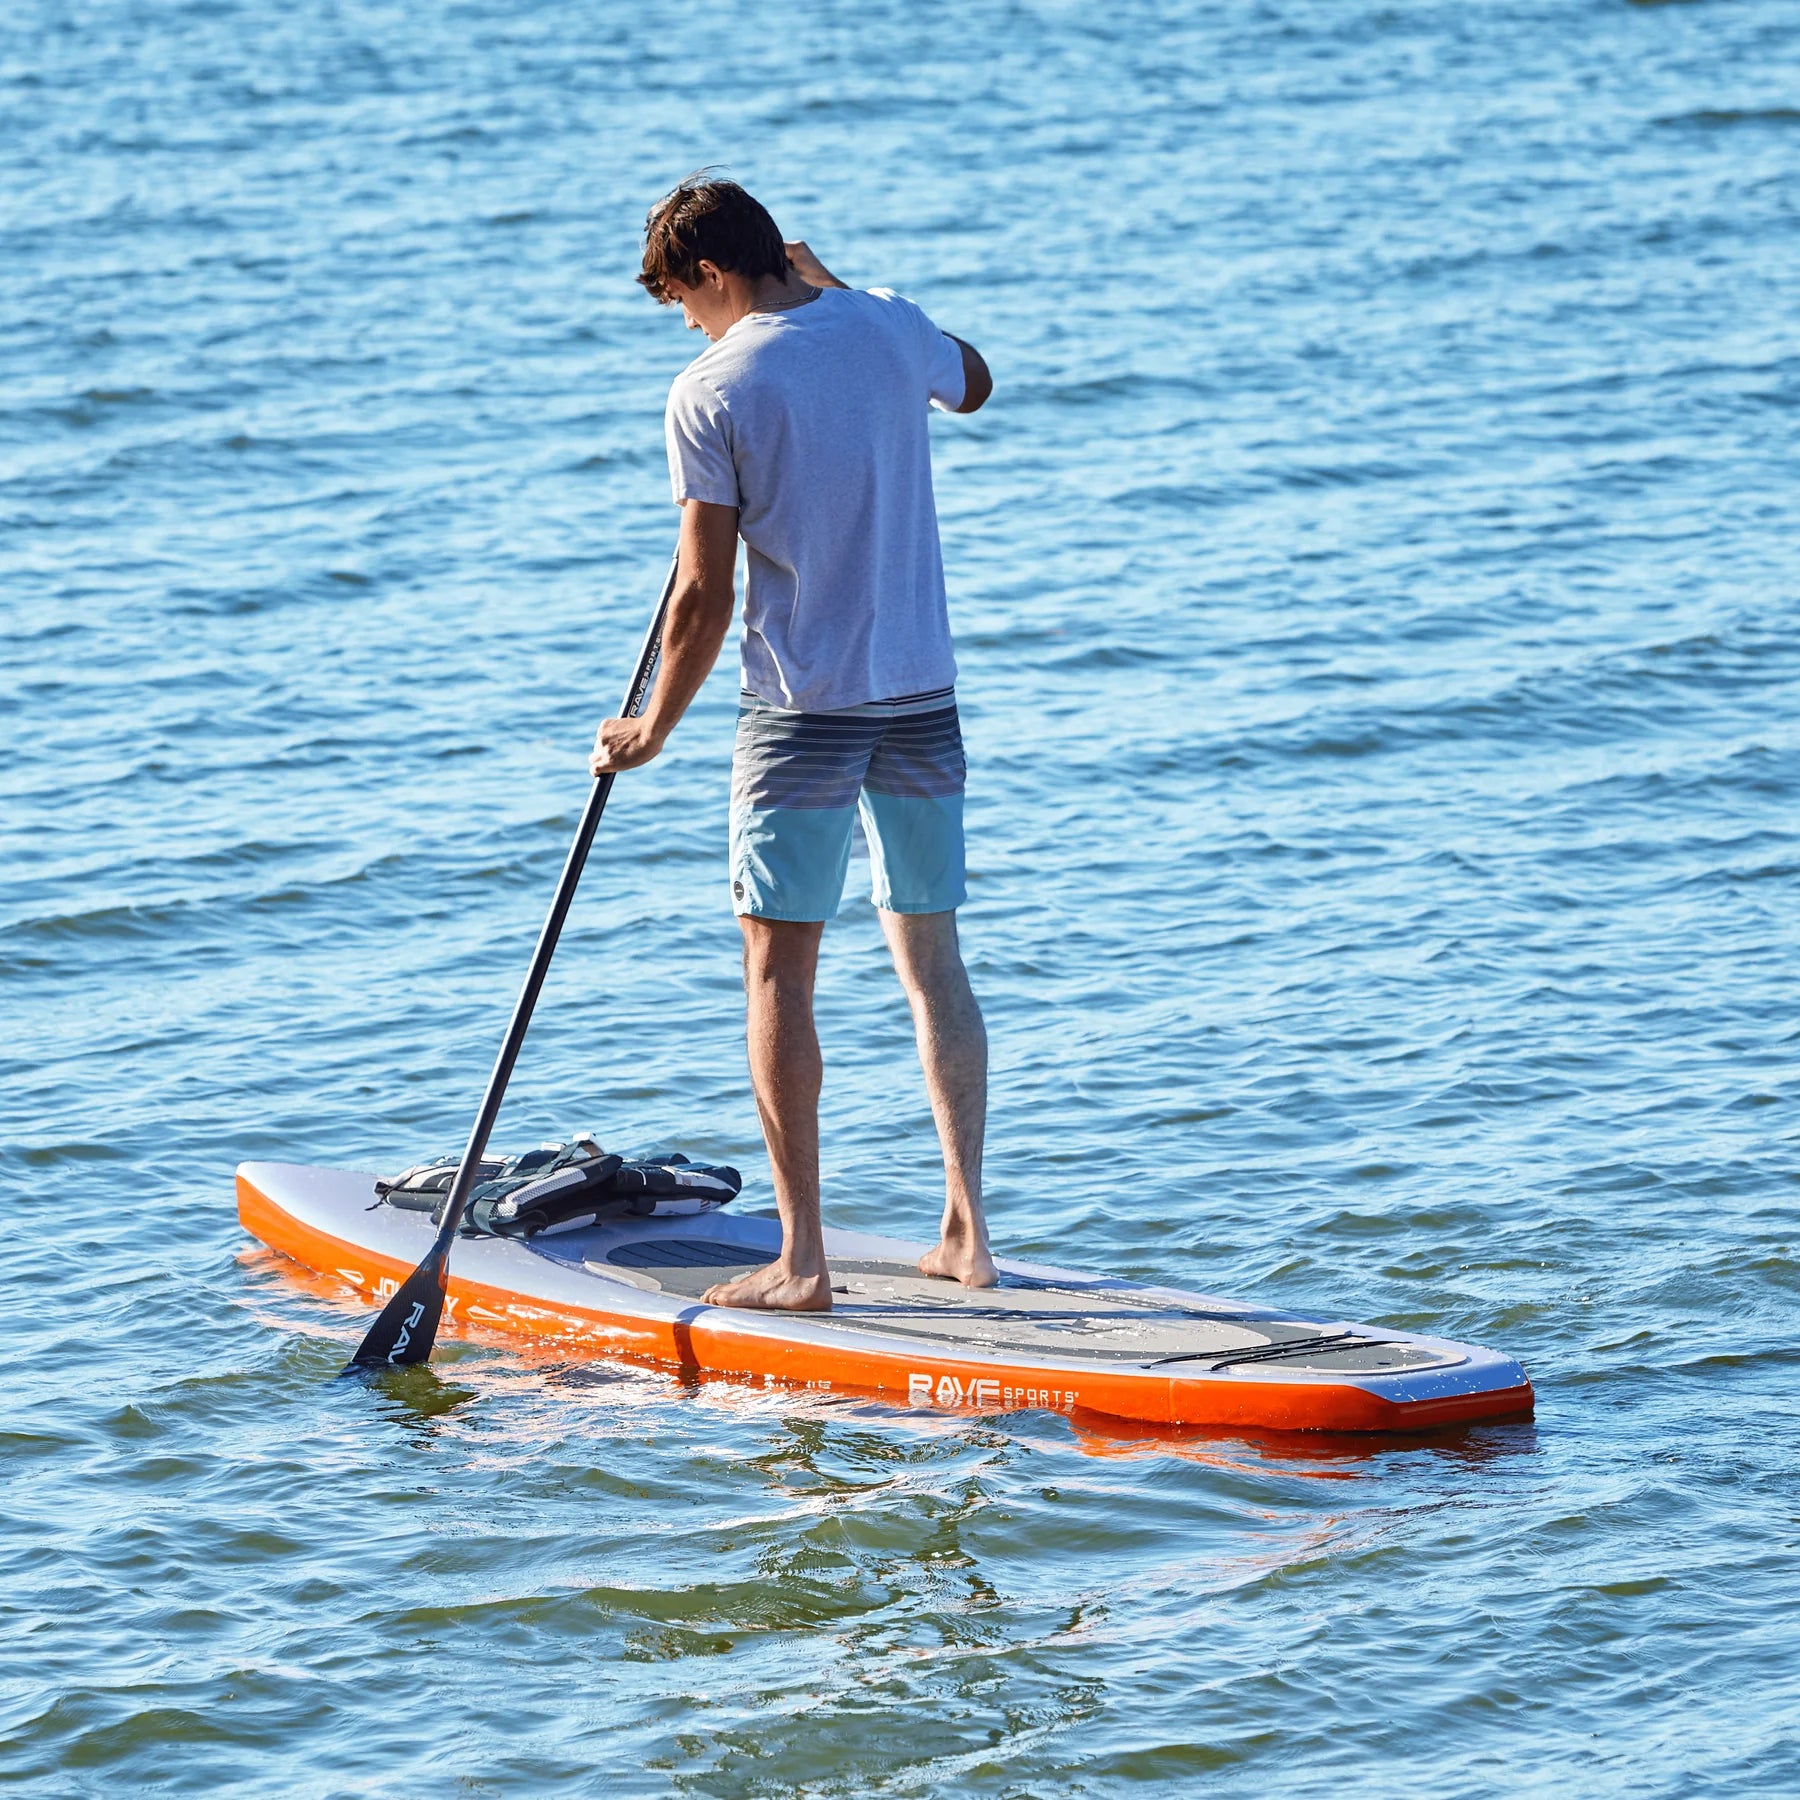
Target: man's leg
781, 957
953, 1053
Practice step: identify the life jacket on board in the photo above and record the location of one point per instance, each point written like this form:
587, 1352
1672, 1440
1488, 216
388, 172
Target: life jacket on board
558, 1187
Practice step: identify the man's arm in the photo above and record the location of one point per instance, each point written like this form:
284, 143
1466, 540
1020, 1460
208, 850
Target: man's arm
978, 383
694, 628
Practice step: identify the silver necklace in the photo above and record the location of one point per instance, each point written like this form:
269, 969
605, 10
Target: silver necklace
811, 294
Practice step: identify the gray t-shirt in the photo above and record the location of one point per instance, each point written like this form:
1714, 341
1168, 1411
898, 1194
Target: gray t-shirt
812, 423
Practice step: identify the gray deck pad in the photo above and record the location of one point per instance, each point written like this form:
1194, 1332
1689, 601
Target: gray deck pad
1104, 1323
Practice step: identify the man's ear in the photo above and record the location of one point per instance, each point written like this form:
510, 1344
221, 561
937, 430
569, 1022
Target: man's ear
711, 275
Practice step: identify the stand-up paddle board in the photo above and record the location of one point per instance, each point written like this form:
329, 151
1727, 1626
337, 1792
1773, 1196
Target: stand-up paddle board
1044, 1338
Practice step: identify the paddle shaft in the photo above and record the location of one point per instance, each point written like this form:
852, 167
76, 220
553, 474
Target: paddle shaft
407, 1326
635, 696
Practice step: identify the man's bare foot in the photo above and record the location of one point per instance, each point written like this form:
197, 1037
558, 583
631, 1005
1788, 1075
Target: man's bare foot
960, 1260
773, 1288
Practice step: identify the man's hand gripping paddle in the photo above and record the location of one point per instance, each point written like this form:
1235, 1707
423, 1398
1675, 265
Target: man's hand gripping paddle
408, 1325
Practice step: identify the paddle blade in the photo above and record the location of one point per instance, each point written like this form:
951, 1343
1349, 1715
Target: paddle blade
408, 1324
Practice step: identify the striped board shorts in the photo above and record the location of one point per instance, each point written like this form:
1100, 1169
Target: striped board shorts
798, 781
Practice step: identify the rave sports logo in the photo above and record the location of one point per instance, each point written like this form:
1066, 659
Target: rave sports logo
947, 1390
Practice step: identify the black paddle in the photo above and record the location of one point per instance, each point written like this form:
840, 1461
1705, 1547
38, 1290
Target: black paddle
408, 1324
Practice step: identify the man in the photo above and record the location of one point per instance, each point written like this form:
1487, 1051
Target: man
802, 428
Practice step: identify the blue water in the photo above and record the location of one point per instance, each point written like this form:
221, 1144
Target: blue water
1375, 580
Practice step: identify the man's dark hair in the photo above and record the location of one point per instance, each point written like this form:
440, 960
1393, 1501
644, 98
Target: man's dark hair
712, 220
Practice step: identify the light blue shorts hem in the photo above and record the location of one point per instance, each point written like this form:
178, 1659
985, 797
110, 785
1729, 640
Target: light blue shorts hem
789, 862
